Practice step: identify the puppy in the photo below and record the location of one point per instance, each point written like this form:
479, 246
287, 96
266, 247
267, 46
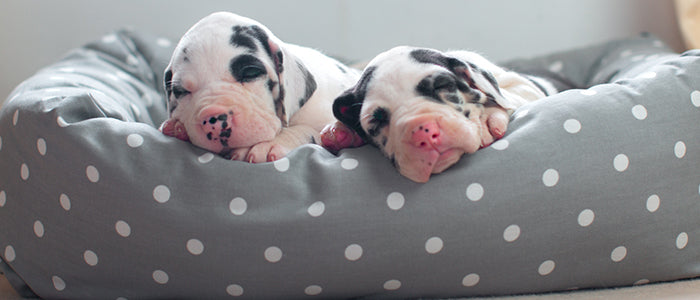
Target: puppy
424, 109
235, 89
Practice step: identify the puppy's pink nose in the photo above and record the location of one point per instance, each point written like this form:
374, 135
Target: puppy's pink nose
426, 135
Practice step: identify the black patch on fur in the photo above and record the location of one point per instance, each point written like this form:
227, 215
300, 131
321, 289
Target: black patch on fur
347, 107
246, 68
428, 56
310, 84
246, 36
271, 85
243, 36
443, 88
458, 67
380, 119
168, 82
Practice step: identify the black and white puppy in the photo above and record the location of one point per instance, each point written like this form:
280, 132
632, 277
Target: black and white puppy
235, 89
424, 108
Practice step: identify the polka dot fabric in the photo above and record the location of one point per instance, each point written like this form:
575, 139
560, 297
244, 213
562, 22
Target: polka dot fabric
593, 187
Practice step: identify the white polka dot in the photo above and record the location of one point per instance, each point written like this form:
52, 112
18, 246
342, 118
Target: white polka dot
679, 149
695, 98
3, 198
41, 146
546, 267
92, 174
61, 122
647, 75
511, 233
206, 157
588, 92
681, 240
621, 162
653, 203
64, 201
15, 118
238, 206
618, 254
475, 192
395, 201
161, 194
282, 164
392, 285
273, 254
471, 280
159, 276
434, 245
234, 290
639, 112
123, 228
349, 163
556, 66
109, 38
500, 145
642, 281
313, 290
195, 247
163, 42
58, 283
38, 229
134, 140
90, 258
353, 252
10, 254
550, 177
24, 171
586, 217
316, 209
572, 126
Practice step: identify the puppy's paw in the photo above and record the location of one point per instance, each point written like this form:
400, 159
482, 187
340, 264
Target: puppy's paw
260, 153
337, 136
496, 121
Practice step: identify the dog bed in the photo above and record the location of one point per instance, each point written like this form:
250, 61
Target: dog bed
594, 187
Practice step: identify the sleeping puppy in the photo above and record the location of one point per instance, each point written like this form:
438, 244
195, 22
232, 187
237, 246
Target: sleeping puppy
235, 89
424, 109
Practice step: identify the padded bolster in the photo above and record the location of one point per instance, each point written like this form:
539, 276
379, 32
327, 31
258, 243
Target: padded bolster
592, 187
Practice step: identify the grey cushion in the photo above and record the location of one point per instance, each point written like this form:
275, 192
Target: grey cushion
593, 187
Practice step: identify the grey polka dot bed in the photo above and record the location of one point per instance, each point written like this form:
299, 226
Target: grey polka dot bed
597, 186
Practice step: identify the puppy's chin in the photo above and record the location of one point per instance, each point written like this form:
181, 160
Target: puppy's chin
420, 169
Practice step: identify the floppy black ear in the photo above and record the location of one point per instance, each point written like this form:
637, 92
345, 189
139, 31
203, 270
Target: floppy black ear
347, 108
168, 84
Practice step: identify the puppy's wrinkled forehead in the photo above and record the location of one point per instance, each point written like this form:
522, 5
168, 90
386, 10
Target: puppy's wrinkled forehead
222, 47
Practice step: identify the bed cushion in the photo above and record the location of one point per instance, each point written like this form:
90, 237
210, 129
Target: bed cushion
593, 187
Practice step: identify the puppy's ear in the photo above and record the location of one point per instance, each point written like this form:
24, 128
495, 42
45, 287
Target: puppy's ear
347, 108
168, 84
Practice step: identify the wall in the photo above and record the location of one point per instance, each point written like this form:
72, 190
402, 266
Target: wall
35, 33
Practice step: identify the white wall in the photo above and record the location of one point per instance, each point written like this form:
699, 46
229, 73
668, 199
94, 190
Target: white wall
35, 33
